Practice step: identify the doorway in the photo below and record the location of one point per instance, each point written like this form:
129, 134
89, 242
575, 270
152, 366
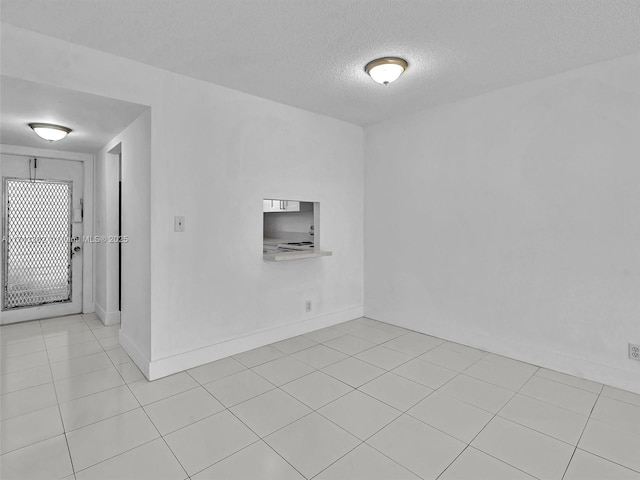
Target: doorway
42, 264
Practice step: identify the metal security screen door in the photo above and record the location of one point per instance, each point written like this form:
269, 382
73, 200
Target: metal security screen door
37, 242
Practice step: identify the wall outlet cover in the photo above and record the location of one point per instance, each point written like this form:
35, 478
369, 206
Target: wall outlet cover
634, 352
178, 224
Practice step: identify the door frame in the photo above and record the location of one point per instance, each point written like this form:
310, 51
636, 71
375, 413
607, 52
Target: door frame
87, 195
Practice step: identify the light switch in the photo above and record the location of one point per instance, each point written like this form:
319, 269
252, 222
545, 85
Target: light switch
178, 224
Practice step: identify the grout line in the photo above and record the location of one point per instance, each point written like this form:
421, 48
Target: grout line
148, 417
581, 434
260, 438
64, 429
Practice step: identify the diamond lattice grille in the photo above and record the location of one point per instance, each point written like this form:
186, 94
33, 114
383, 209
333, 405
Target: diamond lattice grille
37, 254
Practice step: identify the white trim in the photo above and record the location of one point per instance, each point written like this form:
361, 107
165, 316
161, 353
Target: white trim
194, 358
107, 318
136, 355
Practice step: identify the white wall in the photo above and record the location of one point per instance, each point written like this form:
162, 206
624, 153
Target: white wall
215, 154
511, 221
134, 145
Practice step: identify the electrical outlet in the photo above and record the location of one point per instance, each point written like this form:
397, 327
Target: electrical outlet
308, 305
178, 224
634, 352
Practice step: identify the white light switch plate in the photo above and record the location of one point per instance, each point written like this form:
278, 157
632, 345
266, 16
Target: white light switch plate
178, 224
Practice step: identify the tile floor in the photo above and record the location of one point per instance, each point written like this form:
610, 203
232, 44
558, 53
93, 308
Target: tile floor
361, 400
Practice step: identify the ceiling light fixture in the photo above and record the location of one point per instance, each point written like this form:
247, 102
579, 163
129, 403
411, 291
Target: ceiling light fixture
50, 131
386, 70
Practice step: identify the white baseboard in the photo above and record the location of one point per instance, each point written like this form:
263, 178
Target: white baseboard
136, 355
108, 318
539, 356
183, 361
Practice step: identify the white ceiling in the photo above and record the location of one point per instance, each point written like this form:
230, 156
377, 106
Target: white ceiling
94, 120
311, 54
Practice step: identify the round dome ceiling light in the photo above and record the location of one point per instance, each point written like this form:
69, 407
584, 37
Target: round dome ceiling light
50, 131
386, 70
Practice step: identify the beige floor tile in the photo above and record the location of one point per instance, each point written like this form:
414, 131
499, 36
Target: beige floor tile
270, 411
452, 359
611, 442
546, 418
422, 449
353, 372
506, 373
258, 356
147, 392
75, 350
295, 344
383, 357
69, 389
477, 392
559, 394
27, 400
324, 334
23, 348
208, 441
14, 381
349, 345
105, 439
73, 327
283, 370
365, 463
98, 406
396, 391
319, 356
585, 466
216, 370
413, 343
460, 420
238, 387
351, 326
150, 461
374, 335
46, 460
34, 427
72, 367
570, 380
23, 362
618, 413
476, 465
359, 414
621, 395
182, 409
130, 372
257, 461
535, 453
118, 355
425, 373
311, 444
316, 389
59, 341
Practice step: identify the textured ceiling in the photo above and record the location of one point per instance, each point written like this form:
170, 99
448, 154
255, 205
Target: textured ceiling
311, 54
94, 120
